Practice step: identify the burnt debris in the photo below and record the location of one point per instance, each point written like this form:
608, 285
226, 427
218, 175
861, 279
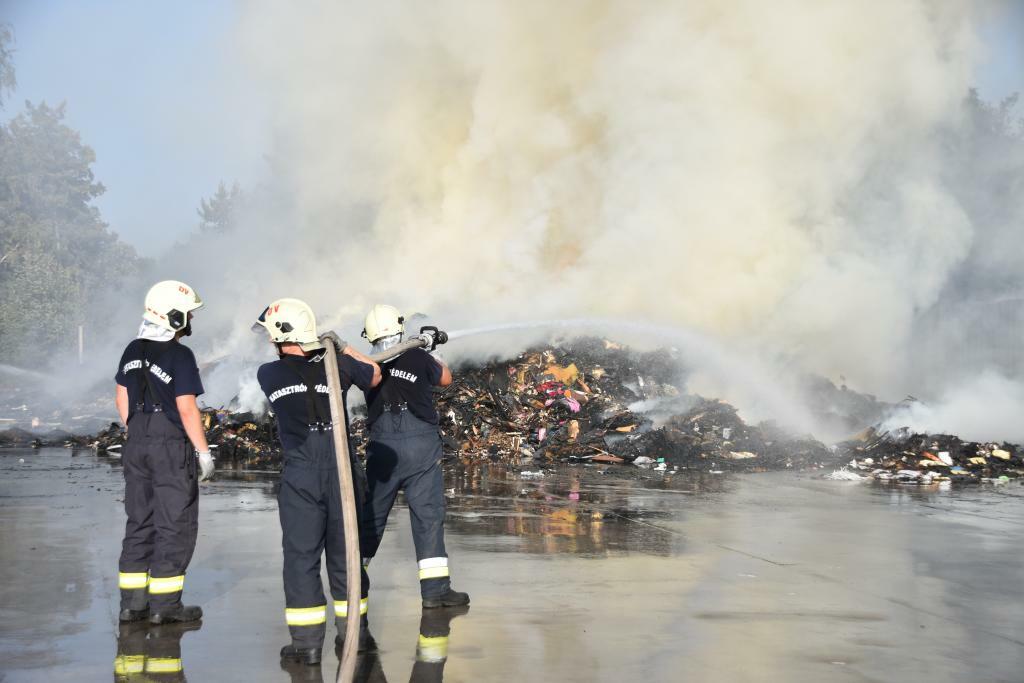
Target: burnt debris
903, 457
594, 401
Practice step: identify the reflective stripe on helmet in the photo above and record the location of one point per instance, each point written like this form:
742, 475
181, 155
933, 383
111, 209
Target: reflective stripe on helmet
290, 321
170, 297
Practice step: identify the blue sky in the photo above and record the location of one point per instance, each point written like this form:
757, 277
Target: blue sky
155, 90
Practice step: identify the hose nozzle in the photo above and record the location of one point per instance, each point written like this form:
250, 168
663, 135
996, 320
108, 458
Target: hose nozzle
437, 336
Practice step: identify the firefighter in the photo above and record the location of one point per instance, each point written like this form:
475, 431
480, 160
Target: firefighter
404, 453
309, 502
157, 385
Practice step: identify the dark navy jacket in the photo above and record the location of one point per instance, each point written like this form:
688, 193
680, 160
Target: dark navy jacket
285, 382
172, 372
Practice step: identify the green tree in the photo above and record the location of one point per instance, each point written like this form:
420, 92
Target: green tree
219, 213
57, 257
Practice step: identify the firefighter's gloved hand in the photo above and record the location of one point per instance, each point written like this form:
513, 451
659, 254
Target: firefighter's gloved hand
205, 465
332, 337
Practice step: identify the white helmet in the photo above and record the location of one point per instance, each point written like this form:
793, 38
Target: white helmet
383, 321
290, 320
168, 304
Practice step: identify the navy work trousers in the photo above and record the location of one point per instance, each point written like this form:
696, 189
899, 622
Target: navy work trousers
161, 499
404, 453
309, 505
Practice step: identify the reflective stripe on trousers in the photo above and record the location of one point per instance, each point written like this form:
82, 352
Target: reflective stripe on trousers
341, 607
129, 664
305, 616
433, 649
132, 580
433, 568
156, 585
163, 665
166, 584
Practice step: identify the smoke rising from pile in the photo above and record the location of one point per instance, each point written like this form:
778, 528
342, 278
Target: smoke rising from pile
773, 175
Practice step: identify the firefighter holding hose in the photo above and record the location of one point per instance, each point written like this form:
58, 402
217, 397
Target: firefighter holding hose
157, 385
309, 502
404, 453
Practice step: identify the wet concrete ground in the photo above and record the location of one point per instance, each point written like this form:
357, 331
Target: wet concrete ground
576, 575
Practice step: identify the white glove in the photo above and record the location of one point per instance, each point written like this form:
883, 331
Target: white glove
205, 465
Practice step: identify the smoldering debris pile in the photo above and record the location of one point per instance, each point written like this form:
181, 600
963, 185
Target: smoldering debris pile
903, 457
245, 440
239, 440
592, 400
16, 437
585, 401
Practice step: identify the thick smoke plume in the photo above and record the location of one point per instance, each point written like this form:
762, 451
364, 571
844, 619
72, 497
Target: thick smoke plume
789, 178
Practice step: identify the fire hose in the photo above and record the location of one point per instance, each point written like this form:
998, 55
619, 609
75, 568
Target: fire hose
429, 337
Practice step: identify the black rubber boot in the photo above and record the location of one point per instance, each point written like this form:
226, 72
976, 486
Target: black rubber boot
177, 615
129, 615
309, 656
449, 598
366, 640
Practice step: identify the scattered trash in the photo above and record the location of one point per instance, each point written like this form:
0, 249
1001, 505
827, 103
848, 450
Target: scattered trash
740, 455
844, 474
902, 456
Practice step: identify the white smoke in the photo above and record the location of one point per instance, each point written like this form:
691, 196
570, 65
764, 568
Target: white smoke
770, 174
985, 408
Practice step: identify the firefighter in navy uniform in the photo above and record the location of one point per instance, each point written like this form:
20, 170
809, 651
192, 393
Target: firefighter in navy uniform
157, 385
404, 453
309, 502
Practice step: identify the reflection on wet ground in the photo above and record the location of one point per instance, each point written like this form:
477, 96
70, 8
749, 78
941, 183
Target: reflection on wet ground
580, 573
580, 511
